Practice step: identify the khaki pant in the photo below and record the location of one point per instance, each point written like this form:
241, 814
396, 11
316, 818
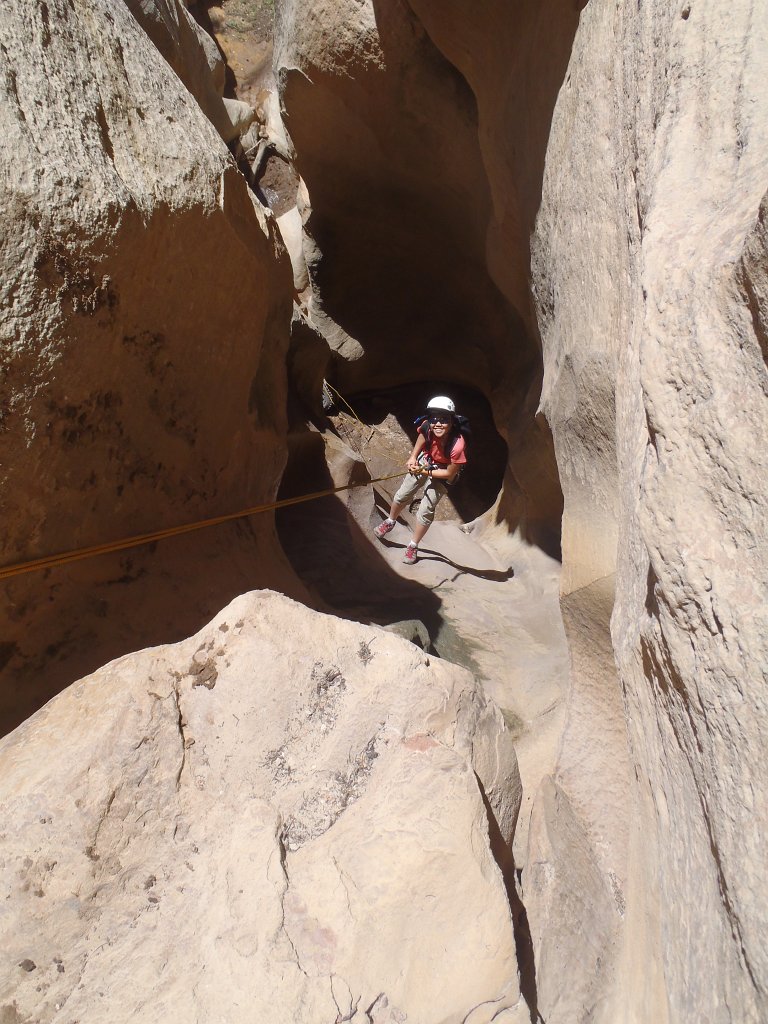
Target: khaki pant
433, 492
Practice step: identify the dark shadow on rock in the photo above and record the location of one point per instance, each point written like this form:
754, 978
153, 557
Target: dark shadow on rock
502, 854
343, 571
429, 555
335, 560
62, 624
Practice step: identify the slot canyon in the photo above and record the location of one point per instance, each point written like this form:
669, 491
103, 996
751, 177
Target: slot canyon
264, 770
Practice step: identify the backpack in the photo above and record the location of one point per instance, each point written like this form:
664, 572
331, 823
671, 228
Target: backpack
461, 428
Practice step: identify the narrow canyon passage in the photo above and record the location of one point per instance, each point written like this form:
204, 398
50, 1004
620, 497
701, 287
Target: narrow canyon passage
478, 596
267, 771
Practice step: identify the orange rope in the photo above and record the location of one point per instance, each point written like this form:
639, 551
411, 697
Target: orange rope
172, 531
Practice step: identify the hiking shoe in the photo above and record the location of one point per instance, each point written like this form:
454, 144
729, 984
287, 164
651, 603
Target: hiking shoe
383, 529
411, 554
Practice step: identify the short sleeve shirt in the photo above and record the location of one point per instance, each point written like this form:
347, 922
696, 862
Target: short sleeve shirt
436, 453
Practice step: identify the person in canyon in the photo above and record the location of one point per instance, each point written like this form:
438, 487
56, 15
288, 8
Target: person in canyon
434, 463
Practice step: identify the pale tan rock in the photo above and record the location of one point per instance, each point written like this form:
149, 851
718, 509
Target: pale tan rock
649, 272
291, 230
146, 303
644, 877
196, 59
240, 116
273, 124
278, 819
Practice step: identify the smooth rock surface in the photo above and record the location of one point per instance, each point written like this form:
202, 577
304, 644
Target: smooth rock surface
649, 273
278, 819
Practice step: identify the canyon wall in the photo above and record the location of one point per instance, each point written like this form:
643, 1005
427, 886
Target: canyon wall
647, 269
562, 206
145, 308
417, 254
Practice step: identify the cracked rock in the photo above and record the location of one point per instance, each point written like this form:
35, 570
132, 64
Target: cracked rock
327, 799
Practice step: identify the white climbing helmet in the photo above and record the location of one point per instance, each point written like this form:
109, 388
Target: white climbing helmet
441, 404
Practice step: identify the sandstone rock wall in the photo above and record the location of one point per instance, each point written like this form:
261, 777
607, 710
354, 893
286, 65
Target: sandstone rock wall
195, 57
649, 272
368, 100
145, 312
146, 304
285, 818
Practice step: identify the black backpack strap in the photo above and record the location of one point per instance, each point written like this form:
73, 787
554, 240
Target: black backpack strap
453, 438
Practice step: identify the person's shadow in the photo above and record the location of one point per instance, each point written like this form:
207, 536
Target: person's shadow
429, 555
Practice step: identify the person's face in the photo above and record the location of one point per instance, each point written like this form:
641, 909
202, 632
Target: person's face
440, 423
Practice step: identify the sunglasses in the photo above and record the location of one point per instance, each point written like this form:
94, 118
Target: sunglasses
440, 419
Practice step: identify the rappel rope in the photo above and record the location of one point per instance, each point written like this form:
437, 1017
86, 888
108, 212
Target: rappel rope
172, 531
333, 390
375, 451
66, 557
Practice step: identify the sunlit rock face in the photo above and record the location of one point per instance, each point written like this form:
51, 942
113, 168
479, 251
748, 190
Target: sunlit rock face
287, 817
650, 278
145, 310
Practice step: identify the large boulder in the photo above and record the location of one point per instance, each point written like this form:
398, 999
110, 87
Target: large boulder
146, 305
286, 818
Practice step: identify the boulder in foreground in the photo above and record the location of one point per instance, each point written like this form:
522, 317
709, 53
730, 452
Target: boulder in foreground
278, 819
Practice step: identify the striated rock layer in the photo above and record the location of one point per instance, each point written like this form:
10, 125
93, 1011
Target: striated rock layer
284, 818
145, 310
